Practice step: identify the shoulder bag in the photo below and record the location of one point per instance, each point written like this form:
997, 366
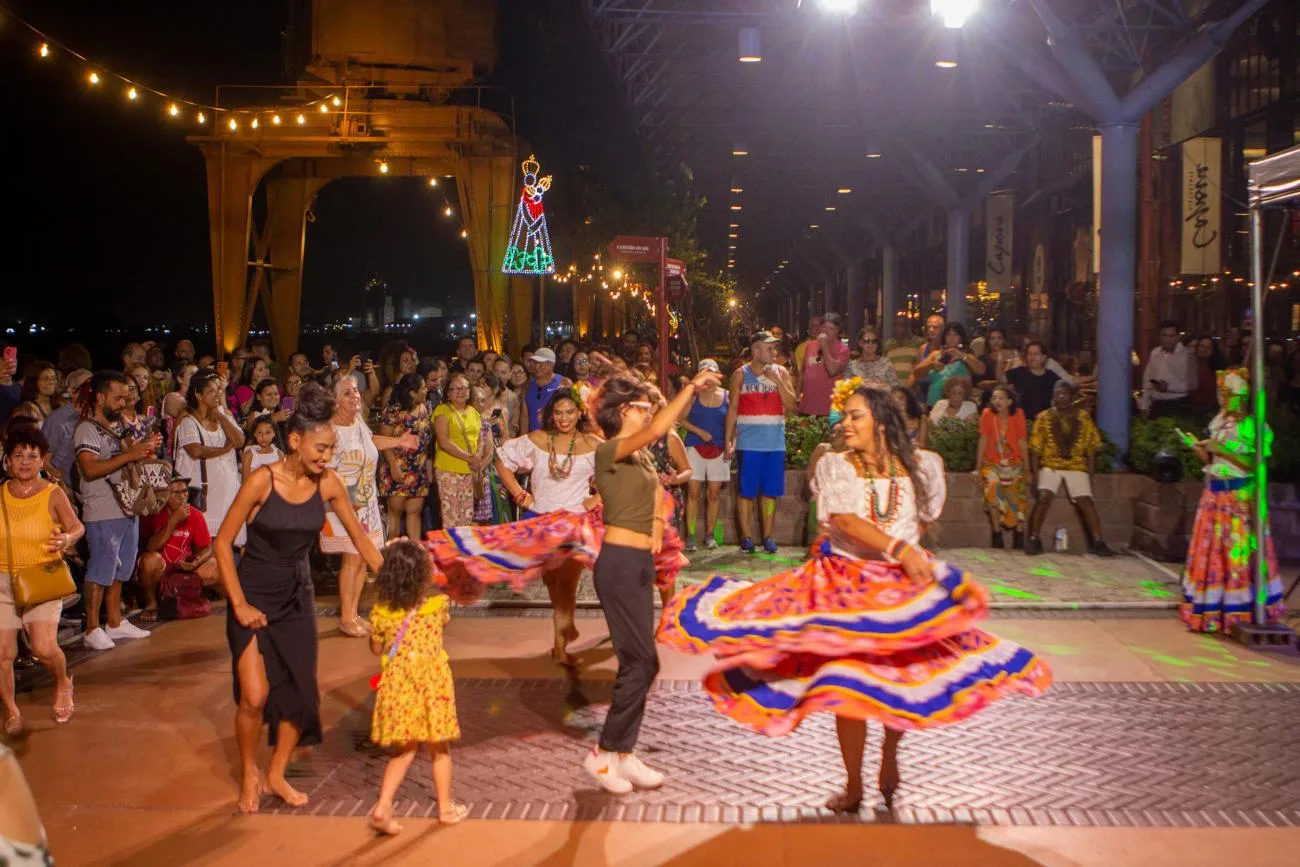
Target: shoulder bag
198, 494
43, 582
143, 486
397, 643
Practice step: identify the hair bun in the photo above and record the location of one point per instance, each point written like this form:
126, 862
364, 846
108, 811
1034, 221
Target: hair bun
315, 405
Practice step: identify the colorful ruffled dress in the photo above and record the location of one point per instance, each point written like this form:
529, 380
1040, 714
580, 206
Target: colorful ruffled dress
416, 700
1219, 574
852, 635
558, 528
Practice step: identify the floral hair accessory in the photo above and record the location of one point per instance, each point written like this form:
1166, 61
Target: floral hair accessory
1234, 381
835, 417
576, 393
843, 389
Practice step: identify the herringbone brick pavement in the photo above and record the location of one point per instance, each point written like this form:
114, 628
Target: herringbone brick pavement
1122, 754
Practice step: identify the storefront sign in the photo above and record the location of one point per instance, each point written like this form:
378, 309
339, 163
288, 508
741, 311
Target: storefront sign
1001, 215
1202, 206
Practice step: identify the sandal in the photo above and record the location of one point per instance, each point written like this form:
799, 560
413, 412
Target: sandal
14, 726
354, 628
63, 714
148, 615
455, 814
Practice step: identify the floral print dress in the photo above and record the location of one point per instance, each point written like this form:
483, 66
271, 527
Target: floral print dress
414, 481
416, 700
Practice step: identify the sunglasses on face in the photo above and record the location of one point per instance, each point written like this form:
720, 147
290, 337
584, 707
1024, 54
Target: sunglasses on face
870, 340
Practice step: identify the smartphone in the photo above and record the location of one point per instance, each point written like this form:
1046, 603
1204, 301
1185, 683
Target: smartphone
365, 357
11, 355
223, 369
1187, 438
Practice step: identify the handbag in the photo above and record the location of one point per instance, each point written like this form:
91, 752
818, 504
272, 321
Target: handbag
43, 582
142, 489
180, 597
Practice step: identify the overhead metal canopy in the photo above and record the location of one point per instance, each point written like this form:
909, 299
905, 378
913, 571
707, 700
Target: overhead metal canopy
831, 88
1275, 179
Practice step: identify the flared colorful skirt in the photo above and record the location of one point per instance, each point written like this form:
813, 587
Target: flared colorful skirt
1218, 577
855, 638
520, 552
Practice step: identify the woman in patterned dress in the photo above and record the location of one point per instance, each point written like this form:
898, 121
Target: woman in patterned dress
356, 460
405, 477
871, 628
1002, 467
1218, 579
415, 700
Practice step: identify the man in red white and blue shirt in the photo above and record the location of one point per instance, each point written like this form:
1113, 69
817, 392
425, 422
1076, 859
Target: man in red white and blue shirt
762, 392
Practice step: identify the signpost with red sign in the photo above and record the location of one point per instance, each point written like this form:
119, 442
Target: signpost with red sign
642, 248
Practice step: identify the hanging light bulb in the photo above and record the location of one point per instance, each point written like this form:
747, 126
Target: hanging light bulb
202, 119
337, 102
301, 120
464, 233
433, 182
254, 123
44, 50
383, 167
234, 124
275, 119
132, 94
324, 108
446, 212
173, 109
93, 78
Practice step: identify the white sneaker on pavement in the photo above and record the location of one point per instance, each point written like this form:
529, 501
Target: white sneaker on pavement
97, 639
126, 629
635, 772
605, 768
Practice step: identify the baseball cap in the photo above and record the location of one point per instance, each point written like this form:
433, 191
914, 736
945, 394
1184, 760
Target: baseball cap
177, 477
544, 355
762, 337
710, 365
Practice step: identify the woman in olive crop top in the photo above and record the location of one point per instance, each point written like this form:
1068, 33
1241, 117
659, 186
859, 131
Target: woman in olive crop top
625, 570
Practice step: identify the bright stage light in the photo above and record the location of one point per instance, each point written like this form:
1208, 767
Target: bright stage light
954, 13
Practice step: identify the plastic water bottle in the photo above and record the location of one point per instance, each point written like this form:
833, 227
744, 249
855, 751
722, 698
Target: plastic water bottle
1062, 540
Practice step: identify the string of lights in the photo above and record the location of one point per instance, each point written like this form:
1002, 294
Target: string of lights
49, 50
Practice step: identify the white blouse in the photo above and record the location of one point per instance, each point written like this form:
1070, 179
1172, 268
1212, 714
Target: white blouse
840, 490
522, 455
966, 412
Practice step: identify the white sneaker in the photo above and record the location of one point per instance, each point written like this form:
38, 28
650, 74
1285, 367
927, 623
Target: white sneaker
635, 772
97, 639
126, 629
605, 768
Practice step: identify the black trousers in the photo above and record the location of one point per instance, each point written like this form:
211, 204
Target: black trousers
624, 579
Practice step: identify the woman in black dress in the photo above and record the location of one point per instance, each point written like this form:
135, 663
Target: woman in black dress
271, 624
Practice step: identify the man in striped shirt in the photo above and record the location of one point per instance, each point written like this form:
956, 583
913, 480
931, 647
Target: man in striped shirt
902, 349
762, 392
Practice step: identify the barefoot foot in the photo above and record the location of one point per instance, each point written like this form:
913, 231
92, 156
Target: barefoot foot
250, 794
847, 801
382, 822
560, 656
285, 792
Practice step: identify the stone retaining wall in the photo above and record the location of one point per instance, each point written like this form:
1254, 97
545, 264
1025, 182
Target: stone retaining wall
1135, 512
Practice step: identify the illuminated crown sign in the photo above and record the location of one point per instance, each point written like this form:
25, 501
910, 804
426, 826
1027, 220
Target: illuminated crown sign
529, 250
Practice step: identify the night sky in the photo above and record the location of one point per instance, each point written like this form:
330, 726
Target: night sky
107, 203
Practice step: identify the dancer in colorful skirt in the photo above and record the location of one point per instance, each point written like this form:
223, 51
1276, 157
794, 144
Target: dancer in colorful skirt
560, 530
635, 530
871, 628
1218, 577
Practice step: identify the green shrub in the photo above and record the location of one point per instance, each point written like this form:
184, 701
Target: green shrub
803, 433
1147, 438
956, 441
1107, 456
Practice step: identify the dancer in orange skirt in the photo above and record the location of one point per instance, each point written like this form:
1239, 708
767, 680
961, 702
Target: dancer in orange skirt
560, 532
1218, 577
871, 628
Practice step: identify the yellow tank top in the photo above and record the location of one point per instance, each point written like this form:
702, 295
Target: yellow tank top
31, 526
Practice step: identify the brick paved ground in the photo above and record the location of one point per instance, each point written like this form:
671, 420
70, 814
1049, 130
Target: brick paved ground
1090, 754
1013, 578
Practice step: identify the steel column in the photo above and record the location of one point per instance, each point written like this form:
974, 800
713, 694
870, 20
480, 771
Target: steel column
853, 298
1116, 283
958, 263
888, 290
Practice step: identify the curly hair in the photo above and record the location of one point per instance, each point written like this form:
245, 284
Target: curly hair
313, 409
608, 405
25, 436
405, 577
894, 435
548, 412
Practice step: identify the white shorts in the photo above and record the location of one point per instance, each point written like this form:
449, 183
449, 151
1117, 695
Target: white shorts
1077, 484
708, 469
46, 612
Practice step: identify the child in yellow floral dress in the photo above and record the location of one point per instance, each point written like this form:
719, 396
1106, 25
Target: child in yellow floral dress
415, 703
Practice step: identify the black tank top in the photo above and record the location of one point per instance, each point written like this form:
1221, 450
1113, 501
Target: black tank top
283, 532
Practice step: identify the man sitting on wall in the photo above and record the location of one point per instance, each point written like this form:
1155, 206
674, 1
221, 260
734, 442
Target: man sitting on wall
1063, 448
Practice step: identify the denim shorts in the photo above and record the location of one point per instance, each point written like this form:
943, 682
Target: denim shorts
113, 548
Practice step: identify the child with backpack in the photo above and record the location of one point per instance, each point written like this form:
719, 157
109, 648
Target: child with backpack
415, 702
